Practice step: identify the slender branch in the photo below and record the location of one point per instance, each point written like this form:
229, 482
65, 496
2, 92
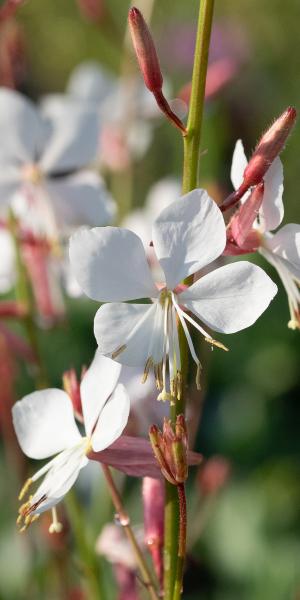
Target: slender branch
124, 520
194, 125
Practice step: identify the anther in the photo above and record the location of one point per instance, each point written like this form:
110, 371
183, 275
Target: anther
118, 351
215, 343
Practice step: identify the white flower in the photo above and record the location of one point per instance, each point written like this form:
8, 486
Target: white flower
111, 266
7, 262
45, 425
42, 162
282, 249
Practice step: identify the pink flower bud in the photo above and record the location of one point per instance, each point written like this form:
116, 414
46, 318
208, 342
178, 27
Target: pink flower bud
71, 385
153, 500
270, 146
213, 475
149, 63
145, 50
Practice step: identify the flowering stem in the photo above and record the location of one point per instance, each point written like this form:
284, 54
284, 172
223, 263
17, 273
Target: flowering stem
194, 126
124, 520
174, 552
24, 296
181, 541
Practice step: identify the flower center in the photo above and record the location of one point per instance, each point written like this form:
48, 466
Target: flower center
32, 174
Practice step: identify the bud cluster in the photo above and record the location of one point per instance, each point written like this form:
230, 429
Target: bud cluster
171, 449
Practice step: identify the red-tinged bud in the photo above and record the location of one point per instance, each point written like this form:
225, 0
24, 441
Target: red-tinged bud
241, 224
268, 148
145, 50
71, 385
13, 309
153, 502
149, 63
171, 449
213, 475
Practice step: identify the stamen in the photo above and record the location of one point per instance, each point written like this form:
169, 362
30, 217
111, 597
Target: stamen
25, 488
118, 351
213, 342
56, 526
148, 365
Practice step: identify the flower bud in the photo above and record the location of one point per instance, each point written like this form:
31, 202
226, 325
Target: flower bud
145, 50
171, 449
270, 146
153, 501
71, 385
149, 63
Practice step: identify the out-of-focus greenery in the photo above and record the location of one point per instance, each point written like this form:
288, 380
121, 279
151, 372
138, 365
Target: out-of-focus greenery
250, 546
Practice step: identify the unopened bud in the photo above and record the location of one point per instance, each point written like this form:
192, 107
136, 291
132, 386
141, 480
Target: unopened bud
268, 148
153, 502
171, 449
149, 63
71, 385
145, 50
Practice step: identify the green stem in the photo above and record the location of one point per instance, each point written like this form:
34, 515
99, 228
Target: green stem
174, 562
90, 565
181, 542
194, 126
124, 520
24, 296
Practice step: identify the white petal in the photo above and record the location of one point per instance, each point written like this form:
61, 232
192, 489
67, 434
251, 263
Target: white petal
286, 244
97, 385
73, 141
7, 262
161, 195
110, 264
81, 199
122, 324
21, 128
112, 420
90, 82
188, 235
238, 165
272, 210
44, 423
230, 298
10, 180
59, 481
